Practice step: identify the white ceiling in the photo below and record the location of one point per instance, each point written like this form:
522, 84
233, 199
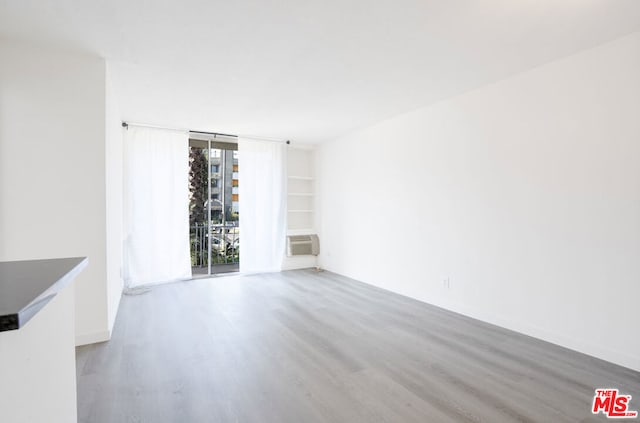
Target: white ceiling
310, 71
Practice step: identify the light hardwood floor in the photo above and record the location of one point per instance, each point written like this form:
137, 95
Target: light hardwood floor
306, 347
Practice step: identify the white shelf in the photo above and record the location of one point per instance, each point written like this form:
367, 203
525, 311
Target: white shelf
301, 178
301, 194
300, 211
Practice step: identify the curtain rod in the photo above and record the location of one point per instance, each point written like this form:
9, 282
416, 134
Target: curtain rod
215, 134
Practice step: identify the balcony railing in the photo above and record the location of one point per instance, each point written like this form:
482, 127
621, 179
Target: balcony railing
225, 244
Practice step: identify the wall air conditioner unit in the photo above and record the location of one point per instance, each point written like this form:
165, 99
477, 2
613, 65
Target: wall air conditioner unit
303, 245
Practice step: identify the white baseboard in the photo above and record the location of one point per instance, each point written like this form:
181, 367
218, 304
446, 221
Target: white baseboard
621, 358
92, 338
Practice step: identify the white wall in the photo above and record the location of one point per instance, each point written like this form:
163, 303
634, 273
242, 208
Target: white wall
525, 193
114, 199
53, 168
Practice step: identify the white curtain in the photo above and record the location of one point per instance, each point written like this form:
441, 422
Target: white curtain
262, 202
156, 206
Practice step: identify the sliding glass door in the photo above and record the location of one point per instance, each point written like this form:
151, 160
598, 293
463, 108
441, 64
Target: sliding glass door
213, 188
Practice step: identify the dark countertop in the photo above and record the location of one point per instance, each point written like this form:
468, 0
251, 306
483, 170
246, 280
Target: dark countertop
27, 286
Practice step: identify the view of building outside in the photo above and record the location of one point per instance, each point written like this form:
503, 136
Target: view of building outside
215, 242
224, 183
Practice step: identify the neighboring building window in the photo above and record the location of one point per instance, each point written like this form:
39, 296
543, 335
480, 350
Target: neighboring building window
215, 168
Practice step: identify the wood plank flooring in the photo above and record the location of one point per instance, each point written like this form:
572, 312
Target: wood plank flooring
304, 347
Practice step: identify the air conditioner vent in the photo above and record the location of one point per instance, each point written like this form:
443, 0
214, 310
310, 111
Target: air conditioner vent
303, 245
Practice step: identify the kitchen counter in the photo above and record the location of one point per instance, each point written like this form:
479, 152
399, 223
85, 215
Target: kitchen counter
27, 286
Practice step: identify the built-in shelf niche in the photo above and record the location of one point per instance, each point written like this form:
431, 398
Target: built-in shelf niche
300, 191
